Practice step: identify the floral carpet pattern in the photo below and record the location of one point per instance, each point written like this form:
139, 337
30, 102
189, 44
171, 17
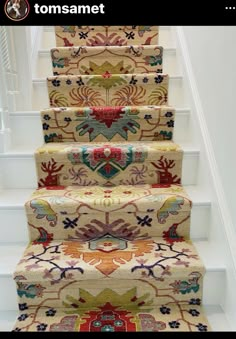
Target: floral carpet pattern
110, 123
109, 224
106, 35
108, 90
126, 211
108, 164
94, 60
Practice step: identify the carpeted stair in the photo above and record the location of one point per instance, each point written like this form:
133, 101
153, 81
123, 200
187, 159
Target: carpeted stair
109, 223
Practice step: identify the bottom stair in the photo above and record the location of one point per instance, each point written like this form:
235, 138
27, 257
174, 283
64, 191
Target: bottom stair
110, 318
110, 284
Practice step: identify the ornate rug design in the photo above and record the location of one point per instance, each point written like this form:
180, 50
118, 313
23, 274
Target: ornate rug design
109, 223
106, 35
108, 90
118, 123
108, 164
94, 60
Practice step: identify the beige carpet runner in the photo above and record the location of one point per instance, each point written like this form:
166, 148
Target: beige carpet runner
109, 223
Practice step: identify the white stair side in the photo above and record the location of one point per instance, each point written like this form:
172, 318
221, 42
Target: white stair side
13, 216
176, 93
44, 64
214, 313
165, 38
26, 128
10, 254
18, 168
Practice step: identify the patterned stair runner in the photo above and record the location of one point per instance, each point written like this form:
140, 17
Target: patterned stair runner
109, 223
94, 60
129, 212
109, 164
99, 124
106, 35
108, 90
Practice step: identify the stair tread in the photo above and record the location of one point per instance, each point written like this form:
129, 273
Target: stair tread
11, 253
151, 196
126, 210
15, 198
107, 256
151, 146
188, 149
111, 318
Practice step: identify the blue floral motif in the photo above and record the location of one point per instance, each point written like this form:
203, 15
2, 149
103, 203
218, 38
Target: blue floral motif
51, 312
165, 310
56, 83
41, 327
201, 327
174, 324
22, 317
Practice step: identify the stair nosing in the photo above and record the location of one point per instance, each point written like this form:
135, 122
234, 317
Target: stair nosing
42, 81
211, 268
46, 52
185, 111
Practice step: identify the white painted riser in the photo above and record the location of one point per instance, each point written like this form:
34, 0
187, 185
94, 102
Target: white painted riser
48, 38
40, 94
214, 279
14, 219
18, 169
26, 129
44, 64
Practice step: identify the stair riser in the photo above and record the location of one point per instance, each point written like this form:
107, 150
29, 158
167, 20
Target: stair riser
118, 292
16, 223
108, 124
61, 164
27, 131
127, 212
106, 35
44, 65
176, 94
12, 167
48, 37
110, 59
211, 296
109, 90
59, 232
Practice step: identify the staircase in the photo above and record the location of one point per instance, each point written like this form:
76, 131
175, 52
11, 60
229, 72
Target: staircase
27, 135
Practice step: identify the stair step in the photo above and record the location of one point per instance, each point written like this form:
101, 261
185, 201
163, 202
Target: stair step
48, 37
22, 161
108, 90
105, 124
108, 164
154, 270
215, 274
100, 60
127, 211
26, 128
13, 214
176, 93
106, 35
107, 317
43, 66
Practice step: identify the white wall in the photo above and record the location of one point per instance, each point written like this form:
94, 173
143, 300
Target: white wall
33, 31
212, 52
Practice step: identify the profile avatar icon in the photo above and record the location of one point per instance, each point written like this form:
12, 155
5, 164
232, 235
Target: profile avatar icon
17, 10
